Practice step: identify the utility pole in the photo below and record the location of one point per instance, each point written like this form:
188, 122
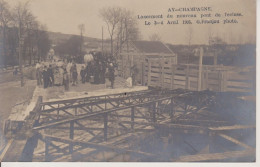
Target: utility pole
102, 42
21, 41
200, 68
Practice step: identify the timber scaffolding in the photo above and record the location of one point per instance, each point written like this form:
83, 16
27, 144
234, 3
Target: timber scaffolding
83, 129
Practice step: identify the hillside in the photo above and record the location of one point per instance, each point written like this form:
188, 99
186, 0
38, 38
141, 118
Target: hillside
57, 37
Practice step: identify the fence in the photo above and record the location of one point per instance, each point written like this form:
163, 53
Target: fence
165, 74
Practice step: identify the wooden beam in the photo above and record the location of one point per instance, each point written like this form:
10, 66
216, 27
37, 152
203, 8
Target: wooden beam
105, 126
100, 113
71, 135
234, 141
216, 156
234, 127
95, 145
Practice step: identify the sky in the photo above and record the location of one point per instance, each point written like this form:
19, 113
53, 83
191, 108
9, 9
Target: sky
65, 15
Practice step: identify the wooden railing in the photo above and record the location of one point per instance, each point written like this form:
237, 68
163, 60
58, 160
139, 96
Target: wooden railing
189, 76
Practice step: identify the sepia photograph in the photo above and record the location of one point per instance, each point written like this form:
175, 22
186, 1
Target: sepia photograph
128, 81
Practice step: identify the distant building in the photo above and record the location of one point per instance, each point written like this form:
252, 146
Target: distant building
138, 53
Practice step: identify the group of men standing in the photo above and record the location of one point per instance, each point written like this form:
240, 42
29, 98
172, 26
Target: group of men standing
94, 72
45, 76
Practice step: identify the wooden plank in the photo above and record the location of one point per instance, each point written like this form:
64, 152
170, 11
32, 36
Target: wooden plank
237, 76
234, 127
235, 141
216, 156
156, 70
179, 86
238, 90
178, 77
213, 82
181, 72
177, 82
193, 79
239, 84
6, 149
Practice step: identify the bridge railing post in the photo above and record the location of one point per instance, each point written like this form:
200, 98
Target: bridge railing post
132, 117
71, 136
105, 126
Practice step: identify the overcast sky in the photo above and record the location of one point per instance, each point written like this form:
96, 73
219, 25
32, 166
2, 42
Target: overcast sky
65, 16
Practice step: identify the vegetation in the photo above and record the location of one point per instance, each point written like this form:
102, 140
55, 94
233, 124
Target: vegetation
21, 32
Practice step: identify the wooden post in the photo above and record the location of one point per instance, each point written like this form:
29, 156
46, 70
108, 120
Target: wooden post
219, 81
149, 72
187, 85
155, 105
71, 136
132, 117
200, 69
47, 144
172, 110
173, 76
162, 71
105, 126
105, 102
142, 74
207, 78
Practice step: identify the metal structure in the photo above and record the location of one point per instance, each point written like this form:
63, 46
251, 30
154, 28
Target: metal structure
83, 129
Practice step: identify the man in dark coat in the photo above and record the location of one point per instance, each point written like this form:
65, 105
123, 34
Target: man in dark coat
51, 76
46, 78
102, 72
96, 72
74, 75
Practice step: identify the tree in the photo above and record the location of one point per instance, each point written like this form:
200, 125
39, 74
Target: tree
127, 29
112, 16
5, 18
43, 44
155, 37
21, 17
21, 29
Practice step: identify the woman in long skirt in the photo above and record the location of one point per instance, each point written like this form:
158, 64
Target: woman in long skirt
66, 80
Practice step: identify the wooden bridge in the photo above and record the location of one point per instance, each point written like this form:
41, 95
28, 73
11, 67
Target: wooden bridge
103, 128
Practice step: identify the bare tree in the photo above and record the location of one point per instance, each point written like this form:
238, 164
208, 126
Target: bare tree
21, 16
127, 29
111, 16
5, 18
155, 37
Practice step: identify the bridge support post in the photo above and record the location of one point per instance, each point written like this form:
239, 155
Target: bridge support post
71, 136
105, 126
47, 144
132, 117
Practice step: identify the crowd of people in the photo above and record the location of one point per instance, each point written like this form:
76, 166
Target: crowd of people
66, 74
